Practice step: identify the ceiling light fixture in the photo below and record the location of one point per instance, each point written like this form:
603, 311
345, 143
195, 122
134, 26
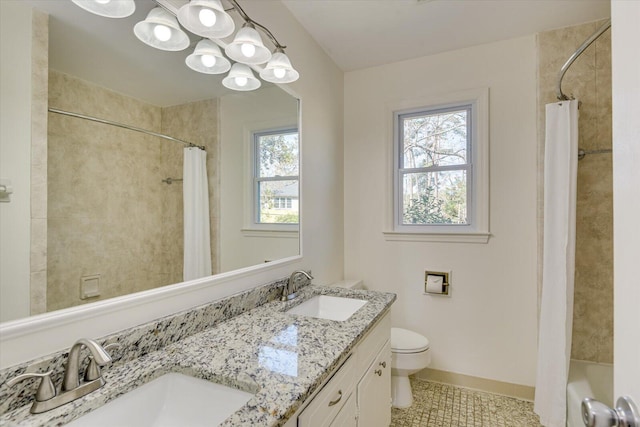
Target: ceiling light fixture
241, 78
247, 47
108, 8
208, 19
208, 59
161, 30
279, 69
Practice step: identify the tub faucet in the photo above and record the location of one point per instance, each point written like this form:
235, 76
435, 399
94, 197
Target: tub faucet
289, 290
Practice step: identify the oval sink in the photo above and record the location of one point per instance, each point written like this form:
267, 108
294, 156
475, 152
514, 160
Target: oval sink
171, 400
328, 307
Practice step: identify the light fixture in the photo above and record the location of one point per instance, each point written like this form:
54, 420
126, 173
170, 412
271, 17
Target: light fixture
207, 58
279, 69
108, 8
241, 78
206, 18
161, 30
247, 47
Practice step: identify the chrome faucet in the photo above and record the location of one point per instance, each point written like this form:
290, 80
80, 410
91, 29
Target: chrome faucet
289, 290
46, 398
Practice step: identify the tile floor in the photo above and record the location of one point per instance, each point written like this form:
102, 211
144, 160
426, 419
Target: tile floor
443, 405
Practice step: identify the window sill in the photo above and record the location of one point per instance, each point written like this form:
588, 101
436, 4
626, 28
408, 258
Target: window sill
283, 234
396, 236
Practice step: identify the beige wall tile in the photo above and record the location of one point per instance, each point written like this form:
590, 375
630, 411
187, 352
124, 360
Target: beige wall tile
103, 218
589, 80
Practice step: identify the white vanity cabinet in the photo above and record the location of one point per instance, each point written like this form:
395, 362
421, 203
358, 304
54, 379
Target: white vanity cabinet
359, 393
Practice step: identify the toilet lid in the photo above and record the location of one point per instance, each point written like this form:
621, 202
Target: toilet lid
406, 341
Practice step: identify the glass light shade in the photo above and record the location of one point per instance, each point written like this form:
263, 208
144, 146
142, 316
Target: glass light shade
279, 69
206, 51
147, 32
248, 36
108, 8
241, 78
206, 18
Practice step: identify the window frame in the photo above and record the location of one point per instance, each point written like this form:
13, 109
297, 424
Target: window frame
476, 230
256, 179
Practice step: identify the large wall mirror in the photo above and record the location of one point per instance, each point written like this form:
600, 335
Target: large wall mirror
122, 207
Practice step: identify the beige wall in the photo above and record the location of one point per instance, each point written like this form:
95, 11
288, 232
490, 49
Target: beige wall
589, 80
109, 213
15, 151
487, 328
626, 154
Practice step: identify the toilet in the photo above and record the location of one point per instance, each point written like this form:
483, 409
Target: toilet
410, 353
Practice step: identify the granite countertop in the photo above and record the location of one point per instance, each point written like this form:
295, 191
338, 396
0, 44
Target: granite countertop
282, 358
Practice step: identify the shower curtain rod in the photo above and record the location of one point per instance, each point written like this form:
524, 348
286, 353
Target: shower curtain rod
561, 96
121, 125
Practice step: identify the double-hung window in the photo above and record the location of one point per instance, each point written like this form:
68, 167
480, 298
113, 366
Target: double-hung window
275, 178
440, 176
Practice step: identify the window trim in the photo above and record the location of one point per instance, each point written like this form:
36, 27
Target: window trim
477, 230
255, 225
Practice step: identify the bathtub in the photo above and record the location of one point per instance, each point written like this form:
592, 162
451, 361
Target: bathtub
587, 379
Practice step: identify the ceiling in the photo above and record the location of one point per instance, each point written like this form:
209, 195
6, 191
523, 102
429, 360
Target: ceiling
355, 33
364, 33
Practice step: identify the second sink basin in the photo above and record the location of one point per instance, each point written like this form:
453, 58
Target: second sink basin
328, 307
171, 400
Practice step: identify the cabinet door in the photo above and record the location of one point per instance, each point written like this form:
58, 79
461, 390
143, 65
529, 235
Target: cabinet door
347, 415
374, 392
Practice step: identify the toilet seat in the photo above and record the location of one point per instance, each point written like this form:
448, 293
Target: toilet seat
404, 341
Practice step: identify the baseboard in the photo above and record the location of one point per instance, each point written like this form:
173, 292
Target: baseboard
483, 384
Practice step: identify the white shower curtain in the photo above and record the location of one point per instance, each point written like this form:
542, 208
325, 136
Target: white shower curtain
556, 308
197, 241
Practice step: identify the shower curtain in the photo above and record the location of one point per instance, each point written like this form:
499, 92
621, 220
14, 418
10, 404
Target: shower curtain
197, 240
556, 309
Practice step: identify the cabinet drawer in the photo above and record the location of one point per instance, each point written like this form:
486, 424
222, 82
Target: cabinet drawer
327, 403
373, 342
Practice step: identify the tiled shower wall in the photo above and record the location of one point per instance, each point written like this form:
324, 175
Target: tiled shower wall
108, 210
588, 80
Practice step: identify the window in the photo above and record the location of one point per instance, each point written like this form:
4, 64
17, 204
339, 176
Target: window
440, 174
275, 173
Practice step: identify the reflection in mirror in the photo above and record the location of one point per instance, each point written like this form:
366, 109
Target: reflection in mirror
126, 211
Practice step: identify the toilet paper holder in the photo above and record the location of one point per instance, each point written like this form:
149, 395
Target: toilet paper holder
436, 282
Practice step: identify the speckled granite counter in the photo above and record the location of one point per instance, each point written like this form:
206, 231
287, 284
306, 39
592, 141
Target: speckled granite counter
282, 358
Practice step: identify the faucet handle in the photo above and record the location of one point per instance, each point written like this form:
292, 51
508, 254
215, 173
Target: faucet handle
93, 370
46, 389
113, 346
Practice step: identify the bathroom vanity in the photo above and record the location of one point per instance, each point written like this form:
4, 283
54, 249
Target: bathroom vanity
299, 370
359, 392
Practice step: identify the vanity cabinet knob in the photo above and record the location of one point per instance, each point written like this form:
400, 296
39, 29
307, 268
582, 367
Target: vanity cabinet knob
333, 402
378, 372
46, 389
383, 364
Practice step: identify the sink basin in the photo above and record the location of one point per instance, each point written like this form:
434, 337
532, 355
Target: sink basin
328, 307
171, 400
